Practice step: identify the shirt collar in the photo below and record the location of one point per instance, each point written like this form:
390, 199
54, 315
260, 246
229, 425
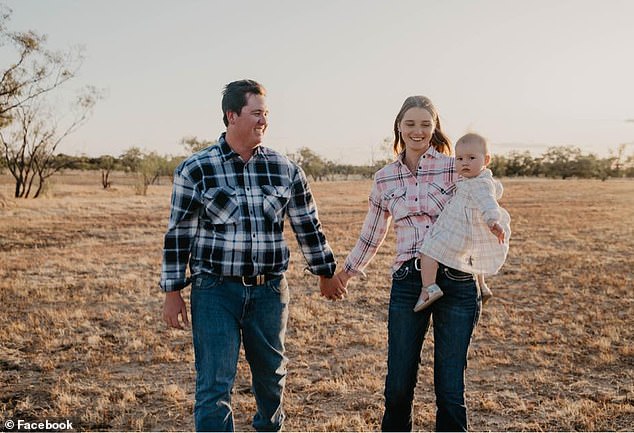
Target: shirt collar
486, 174
227, 153
431, 152
259, 152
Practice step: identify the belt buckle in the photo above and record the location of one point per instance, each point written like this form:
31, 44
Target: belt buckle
417, 263
259, 280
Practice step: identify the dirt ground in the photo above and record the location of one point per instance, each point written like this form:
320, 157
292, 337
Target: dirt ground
81, 335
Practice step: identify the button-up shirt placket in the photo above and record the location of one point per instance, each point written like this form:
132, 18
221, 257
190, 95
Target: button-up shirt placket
423, 202
252, 201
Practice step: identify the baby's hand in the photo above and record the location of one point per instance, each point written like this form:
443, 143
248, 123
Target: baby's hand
497, 230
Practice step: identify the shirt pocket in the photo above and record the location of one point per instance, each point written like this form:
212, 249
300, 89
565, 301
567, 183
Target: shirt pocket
439, 194
221, 205
396, 202
274, 203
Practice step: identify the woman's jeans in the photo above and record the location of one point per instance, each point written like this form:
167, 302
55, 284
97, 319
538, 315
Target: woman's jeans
455, 315
224, 314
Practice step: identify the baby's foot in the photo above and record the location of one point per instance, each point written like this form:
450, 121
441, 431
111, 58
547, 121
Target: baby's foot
428, 296
486, 293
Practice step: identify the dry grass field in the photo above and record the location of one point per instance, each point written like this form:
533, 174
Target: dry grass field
81, 335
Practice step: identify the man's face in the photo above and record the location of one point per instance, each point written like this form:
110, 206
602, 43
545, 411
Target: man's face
250, 125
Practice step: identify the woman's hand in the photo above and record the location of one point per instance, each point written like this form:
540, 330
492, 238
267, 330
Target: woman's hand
334, 288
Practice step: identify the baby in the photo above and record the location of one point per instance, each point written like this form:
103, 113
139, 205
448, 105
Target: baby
472, 232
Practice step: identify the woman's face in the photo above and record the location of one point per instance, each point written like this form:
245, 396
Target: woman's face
417, 128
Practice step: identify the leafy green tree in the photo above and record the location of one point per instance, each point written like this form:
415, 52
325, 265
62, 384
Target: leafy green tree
619, 159
193, 144
107, 164
131, 159
312, 164
346, 170
149, 167
520, 164
590, 166
169, 164
560, 161
70, 162
498, 165
152, 167
148, 171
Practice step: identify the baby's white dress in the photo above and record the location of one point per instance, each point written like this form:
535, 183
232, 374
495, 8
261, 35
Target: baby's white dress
460, 238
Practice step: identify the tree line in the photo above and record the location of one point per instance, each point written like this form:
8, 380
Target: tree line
561, 162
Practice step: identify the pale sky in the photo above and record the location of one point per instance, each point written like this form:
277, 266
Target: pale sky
525, 74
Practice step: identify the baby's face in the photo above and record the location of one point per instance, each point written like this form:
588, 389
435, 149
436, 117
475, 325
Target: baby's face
470, 159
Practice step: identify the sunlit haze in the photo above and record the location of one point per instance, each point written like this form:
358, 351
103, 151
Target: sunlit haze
525, 74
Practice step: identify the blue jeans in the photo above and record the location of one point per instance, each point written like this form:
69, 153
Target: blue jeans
224, 315
454, 316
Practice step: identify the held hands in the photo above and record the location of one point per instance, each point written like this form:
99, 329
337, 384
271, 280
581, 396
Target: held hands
334, 288
497, 230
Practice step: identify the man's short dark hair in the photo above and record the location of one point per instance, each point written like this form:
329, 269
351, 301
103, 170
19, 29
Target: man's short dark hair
234, 96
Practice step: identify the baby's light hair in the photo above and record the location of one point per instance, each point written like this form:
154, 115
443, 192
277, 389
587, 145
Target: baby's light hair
473, 138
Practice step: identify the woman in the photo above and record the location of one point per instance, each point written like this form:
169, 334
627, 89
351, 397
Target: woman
413, 191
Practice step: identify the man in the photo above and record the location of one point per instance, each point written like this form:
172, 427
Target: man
227, 219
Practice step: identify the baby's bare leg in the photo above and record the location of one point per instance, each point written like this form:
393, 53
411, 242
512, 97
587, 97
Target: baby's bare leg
430, 291
428, 269
484, 289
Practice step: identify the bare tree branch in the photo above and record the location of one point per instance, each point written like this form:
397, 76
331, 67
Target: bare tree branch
29, 133
35, 71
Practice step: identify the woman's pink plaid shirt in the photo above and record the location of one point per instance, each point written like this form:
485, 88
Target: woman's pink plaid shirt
412, 201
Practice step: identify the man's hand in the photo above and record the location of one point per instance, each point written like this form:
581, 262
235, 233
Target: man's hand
333, 288
173, 306
497, 230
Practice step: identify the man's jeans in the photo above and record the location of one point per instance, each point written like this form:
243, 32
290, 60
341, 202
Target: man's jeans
224, 313
455, 315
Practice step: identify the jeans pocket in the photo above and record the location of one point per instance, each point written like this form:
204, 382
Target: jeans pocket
456, 275
279, 286
205, 281
401, 273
